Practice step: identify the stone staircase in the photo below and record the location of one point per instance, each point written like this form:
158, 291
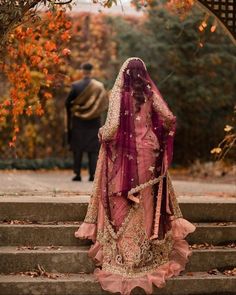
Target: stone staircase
40, 237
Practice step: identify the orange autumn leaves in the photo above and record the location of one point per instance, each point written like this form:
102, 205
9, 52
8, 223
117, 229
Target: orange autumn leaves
92, 40
32, 63
180, 7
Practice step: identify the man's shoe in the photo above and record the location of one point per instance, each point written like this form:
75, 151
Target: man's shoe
76, 178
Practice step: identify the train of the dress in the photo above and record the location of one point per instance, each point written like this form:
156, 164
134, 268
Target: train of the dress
113, 282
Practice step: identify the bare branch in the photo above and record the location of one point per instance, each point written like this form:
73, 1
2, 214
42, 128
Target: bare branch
60, 2
13, 13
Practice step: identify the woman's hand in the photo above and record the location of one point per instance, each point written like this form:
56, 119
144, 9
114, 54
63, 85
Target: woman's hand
100, 135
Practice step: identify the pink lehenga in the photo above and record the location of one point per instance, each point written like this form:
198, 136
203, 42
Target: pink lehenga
133, 216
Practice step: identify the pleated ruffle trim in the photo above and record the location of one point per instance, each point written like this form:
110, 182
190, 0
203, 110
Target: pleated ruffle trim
178, 258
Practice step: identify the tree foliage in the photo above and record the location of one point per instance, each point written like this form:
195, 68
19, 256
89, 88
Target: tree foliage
54, 64
33, 57
14, 13
92, 40
192, 67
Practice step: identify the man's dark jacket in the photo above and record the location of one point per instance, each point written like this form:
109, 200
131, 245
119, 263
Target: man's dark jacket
82, 134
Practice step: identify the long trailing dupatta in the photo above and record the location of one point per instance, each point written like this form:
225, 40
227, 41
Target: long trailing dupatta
120, 185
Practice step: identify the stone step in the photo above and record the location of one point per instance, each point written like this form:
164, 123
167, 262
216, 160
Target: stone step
63, 234
43, 209
207, 259
213, 233
75, 259
76, 284
52, 259
40, 235
70, 208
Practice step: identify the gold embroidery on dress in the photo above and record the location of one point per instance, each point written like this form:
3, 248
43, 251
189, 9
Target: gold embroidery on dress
133, 254
92, 212
122, 228
173, 199
145, 185
163, 111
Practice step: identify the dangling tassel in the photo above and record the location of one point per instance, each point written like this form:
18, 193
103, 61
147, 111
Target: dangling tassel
158, 210
168, 196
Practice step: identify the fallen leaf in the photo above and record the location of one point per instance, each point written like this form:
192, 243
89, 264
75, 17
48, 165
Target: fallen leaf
231, 272
214, 271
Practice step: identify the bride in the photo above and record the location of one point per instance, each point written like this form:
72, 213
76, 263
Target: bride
133, 216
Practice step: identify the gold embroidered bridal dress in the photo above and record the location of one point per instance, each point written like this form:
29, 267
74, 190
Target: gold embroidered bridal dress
133, 217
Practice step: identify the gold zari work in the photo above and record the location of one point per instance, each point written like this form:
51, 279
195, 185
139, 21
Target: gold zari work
133, 254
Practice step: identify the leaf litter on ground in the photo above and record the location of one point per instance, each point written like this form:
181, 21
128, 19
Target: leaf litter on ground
41, 272
25, 222
45, 248
204, 246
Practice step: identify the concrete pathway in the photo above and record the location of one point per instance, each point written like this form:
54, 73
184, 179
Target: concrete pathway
59, 182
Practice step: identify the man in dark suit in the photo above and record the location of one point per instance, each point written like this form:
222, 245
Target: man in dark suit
86, 102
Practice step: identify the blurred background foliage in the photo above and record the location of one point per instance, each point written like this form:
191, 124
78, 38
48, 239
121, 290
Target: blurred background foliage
193, 69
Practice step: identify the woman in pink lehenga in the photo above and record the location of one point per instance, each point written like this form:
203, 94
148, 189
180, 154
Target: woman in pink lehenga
133, 216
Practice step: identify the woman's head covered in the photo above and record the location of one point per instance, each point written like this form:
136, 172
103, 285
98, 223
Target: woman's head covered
136, 81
